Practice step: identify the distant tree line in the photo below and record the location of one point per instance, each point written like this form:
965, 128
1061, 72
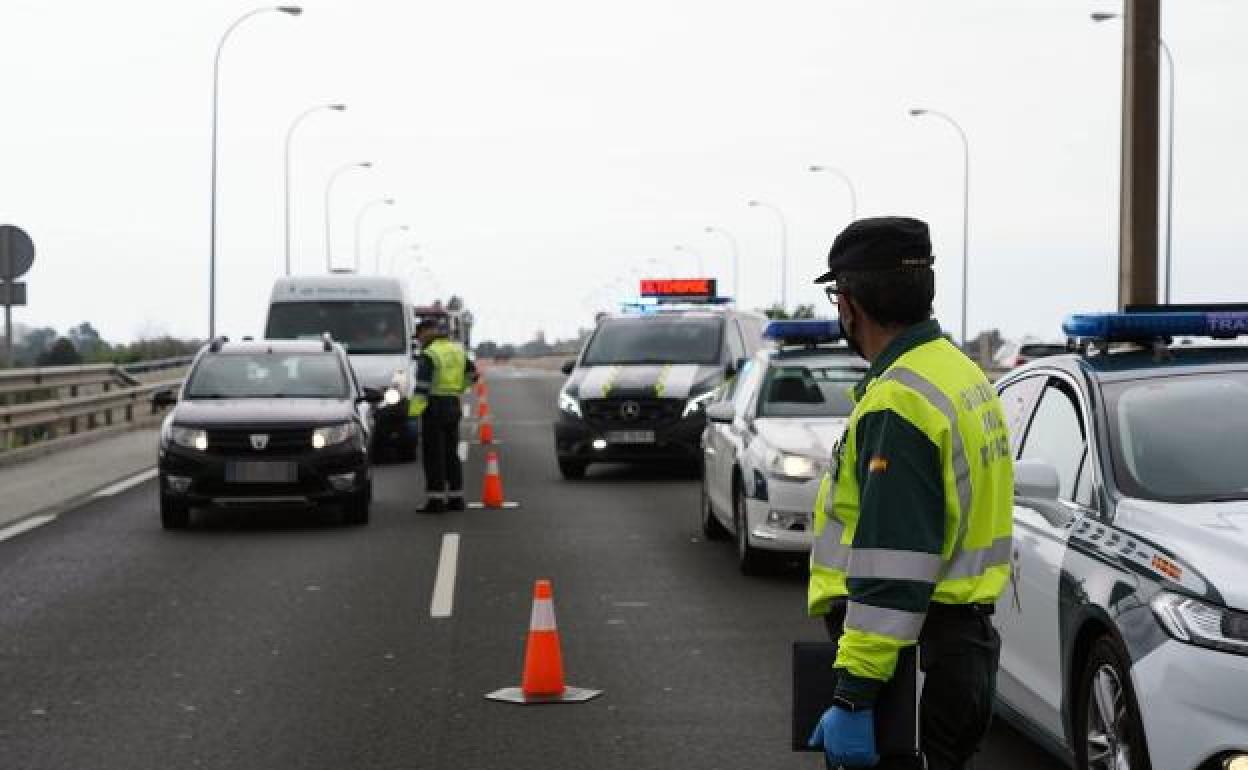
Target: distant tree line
538, 346
82, 344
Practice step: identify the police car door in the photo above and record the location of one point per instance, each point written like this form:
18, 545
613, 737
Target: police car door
1030, 679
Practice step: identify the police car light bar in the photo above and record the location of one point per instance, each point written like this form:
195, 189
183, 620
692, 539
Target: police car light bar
803, 332
1136, 326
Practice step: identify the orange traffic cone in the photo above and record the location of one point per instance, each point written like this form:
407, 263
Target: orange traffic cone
481, 389
542, 681
485, 431
492, 489
483, 407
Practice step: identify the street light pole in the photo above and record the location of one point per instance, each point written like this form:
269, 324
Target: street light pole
736, 259
290, 10
381, 237
966, 202
290, 133
359, 224
1165, 50
853, 194
784, 250
329, 188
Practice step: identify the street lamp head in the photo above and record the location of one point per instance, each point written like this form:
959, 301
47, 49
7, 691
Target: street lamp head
917, 111
338, 107
365, 164
817, 168
753, 203
388, 201
291, 10
1104, 16
708, 229
405, 228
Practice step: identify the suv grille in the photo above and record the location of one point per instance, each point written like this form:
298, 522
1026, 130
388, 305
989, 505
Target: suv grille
236, 441
632, 411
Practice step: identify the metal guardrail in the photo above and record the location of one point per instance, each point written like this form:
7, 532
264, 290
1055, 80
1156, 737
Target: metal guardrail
48, 404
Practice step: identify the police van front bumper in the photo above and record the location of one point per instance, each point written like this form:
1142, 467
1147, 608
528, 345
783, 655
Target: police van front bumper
668, 436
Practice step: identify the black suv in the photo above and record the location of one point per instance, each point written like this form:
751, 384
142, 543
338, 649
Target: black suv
638, 391
267, 423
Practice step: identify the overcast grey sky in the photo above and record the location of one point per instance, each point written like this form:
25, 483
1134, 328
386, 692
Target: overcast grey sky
541, 149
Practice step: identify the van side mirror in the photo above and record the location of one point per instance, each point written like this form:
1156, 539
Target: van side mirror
721, 411
568, 366
1037, 486
162, 399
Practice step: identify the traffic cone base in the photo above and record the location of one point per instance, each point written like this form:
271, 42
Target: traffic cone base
516, 695
507, 505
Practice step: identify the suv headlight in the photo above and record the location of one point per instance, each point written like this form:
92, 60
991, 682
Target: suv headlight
1200, 623
697, 403
392, 396
791, 467
191, 438
569, 404
332, 434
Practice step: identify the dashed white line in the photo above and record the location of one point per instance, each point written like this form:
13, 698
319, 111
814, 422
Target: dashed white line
124, 484
444, 585
25, 526
463, 451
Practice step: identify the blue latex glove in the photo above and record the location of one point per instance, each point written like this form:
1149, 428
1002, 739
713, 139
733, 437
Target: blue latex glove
847, 737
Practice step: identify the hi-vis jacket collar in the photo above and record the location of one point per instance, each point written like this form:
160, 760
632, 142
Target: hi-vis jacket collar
911, 338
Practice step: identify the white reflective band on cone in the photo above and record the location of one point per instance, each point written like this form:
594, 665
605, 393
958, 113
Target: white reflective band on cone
543, 617
491, 467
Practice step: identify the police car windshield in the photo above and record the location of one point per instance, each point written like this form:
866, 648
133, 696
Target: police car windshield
362, 327
798, 390
1179, 438
268, 375
655, 341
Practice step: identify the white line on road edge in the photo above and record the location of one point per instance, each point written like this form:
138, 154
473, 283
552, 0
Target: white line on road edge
463, 451
124, 484
25, 526
444, 585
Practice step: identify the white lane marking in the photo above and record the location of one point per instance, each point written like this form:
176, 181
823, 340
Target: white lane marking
463, 451
25, 526
444, 585
124, 484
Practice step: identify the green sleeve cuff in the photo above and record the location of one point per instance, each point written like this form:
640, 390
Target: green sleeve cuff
860, 692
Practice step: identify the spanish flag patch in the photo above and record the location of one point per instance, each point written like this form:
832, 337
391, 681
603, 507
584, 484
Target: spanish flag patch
877, 464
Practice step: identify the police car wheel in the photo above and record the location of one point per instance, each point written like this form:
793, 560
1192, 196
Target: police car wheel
1109, 734
710, 525
749, 559
174, 514
572, 470
355, 508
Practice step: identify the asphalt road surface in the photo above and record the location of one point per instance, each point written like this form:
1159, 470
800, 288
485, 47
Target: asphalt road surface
283, 640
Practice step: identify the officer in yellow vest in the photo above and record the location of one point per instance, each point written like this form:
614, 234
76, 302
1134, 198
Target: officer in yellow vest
913, 523
443, 374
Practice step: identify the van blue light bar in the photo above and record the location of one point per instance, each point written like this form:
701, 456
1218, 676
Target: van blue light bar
803, 332
1126, 327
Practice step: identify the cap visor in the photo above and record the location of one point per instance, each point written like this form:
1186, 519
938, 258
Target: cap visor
827, 277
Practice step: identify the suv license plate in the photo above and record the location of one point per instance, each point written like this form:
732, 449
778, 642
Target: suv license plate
630, 437
261, 473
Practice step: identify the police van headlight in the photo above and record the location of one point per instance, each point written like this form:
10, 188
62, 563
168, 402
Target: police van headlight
331, 435
191, 438
569, 404
697, 403
1200, 623
791, 467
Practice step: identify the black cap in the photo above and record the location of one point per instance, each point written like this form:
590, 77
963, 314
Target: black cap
879, 243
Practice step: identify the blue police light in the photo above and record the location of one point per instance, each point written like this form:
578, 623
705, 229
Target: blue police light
1126, 327
803, 332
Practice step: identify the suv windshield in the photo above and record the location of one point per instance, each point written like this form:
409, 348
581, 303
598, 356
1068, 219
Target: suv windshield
268, 375
361, 327
796, 390
655, 341
1177, 439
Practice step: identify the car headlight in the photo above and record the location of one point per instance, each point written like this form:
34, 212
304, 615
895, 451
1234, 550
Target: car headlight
191, 438
697, 402
791, 467
569, 404
332, 434
1207, 625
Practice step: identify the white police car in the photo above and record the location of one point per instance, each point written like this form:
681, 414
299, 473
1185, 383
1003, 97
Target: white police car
1125, 626
769, 436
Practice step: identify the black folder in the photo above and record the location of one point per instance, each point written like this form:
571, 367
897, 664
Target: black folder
896, 708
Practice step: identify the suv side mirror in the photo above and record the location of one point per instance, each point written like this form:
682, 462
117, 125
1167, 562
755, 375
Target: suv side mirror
1036, 486
568, 366
721, 411
164, 398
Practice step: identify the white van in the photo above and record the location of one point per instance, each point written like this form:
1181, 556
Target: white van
368, 315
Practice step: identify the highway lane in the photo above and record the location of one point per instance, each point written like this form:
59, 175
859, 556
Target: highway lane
279, 642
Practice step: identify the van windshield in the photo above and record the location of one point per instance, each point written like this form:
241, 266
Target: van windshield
655, 341
361, 327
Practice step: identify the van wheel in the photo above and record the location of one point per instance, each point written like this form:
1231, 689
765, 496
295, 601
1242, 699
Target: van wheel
572, 470
1109, 734
174, 514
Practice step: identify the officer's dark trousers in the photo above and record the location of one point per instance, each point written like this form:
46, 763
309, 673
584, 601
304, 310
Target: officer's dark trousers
958, 652
439, 443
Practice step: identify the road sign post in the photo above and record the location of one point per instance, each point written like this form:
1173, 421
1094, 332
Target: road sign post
17, 254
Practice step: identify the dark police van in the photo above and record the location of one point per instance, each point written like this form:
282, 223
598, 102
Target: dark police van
638, 391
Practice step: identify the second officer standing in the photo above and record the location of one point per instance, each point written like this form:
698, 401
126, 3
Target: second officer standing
443, 374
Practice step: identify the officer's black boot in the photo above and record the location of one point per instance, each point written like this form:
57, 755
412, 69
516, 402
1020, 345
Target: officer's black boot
433, 505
